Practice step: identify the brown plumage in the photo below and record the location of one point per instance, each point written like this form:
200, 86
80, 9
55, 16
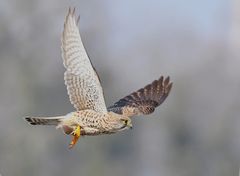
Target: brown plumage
86, 94
145, 100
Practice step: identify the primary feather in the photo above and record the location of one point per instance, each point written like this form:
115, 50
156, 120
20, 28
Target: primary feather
145, 100
83, 85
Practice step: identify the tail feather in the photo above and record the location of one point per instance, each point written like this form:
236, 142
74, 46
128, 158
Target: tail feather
44, 120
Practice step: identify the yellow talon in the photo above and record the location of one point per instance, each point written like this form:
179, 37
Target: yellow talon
76, 135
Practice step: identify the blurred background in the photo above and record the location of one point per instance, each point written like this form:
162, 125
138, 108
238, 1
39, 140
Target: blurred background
194, 133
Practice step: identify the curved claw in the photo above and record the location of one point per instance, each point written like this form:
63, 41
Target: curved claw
76, 135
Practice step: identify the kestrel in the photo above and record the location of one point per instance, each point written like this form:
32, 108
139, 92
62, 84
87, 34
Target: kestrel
92, 117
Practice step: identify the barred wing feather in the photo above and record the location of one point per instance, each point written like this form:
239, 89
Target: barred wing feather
84, 87
145, 100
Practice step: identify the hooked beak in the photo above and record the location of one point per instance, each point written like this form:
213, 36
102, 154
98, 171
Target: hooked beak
129, 125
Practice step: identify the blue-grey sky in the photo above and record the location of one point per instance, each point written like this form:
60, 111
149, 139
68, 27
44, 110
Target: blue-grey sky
207, 18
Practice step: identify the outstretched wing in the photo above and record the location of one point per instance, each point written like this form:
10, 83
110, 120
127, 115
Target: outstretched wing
83, 85
145, 100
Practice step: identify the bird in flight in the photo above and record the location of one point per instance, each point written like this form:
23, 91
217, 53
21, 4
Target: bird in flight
92, 117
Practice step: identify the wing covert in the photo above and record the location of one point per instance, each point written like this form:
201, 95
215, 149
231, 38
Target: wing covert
145, 100
83, 86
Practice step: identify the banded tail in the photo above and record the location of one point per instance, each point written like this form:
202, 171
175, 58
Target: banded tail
44, 120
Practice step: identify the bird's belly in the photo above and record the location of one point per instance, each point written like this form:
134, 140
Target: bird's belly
88, 131
91, 122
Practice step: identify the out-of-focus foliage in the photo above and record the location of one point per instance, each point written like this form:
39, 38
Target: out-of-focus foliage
196, 130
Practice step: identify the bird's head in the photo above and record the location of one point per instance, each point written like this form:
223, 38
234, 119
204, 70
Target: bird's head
119, 122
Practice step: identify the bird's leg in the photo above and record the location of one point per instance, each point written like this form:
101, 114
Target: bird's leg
76, 134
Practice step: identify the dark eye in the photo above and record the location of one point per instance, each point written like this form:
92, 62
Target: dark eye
126, 122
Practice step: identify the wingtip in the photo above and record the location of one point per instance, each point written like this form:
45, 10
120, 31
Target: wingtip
160, 79
167, 84
166, 81
69, 10
169, 87
70, 20
78, 19
71, 13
